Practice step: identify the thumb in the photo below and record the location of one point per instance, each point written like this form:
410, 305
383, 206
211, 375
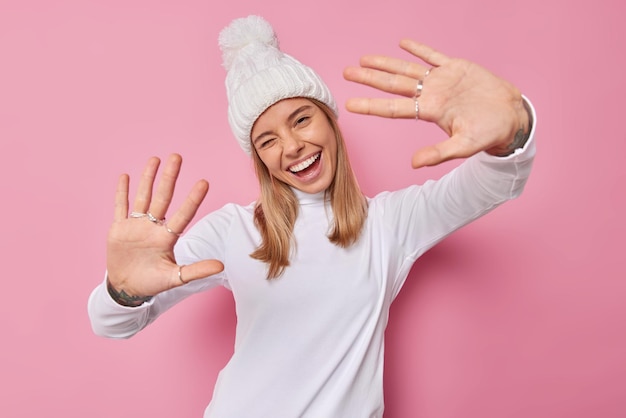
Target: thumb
198, 270
440, 152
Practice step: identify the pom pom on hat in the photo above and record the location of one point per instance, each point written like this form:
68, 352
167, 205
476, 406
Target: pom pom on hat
259, 74
242, 32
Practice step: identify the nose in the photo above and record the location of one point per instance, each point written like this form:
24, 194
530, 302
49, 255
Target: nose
292, 145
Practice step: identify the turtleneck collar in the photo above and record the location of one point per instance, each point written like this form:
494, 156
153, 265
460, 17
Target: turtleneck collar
310, 199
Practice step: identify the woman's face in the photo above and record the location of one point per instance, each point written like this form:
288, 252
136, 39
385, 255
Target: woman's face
296, 142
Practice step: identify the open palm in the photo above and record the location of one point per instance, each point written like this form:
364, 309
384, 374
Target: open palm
478, 110
140, 247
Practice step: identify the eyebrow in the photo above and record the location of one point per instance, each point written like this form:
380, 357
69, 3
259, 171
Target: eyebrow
290, 118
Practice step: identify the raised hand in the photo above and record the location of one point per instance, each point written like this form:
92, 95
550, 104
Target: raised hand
478, 110
140, 246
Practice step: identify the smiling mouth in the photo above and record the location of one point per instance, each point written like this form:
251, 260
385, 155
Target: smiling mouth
300, 167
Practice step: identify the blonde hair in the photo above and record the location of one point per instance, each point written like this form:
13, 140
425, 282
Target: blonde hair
276, 209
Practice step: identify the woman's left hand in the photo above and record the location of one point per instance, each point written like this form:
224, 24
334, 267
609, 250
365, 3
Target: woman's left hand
478, 110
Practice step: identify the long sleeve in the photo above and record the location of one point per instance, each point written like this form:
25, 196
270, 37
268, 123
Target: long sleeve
109, 319
420, 216
112, 320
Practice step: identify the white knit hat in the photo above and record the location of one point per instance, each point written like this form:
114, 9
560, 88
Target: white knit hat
259, 74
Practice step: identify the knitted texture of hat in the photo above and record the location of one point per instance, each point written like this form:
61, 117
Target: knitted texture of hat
259, 74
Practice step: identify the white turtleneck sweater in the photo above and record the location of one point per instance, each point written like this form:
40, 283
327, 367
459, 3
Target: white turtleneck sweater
311, 343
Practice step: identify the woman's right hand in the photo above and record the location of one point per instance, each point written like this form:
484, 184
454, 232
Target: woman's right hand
140, 246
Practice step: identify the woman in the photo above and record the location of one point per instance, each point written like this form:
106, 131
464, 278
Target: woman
313, 264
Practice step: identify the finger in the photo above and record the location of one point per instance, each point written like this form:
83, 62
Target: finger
410, 69
121, 198
165, 190
441, 152
387, 108
424, 52
183, 216
144, 189
381, 80
195, 271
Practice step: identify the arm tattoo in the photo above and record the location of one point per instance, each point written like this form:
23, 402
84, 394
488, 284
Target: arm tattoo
124, 298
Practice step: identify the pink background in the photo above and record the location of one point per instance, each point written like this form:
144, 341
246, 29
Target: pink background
520, 314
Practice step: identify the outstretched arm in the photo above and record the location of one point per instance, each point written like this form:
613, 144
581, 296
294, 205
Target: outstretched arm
140, 254
478, 110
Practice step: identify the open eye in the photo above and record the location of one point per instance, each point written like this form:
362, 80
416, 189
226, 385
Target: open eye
302, 119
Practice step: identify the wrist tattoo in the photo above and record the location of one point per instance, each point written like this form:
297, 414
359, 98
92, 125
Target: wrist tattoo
519, 140
521, 137
124, 298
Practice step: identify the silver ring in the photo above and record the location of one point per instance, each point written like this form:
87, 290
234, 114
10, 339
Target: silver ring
151, 218
180, 275
417, 109
419, 88
171, 231
137, 214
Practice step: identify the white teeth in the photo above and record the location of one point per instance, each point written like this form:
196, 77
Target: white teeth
304, 164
